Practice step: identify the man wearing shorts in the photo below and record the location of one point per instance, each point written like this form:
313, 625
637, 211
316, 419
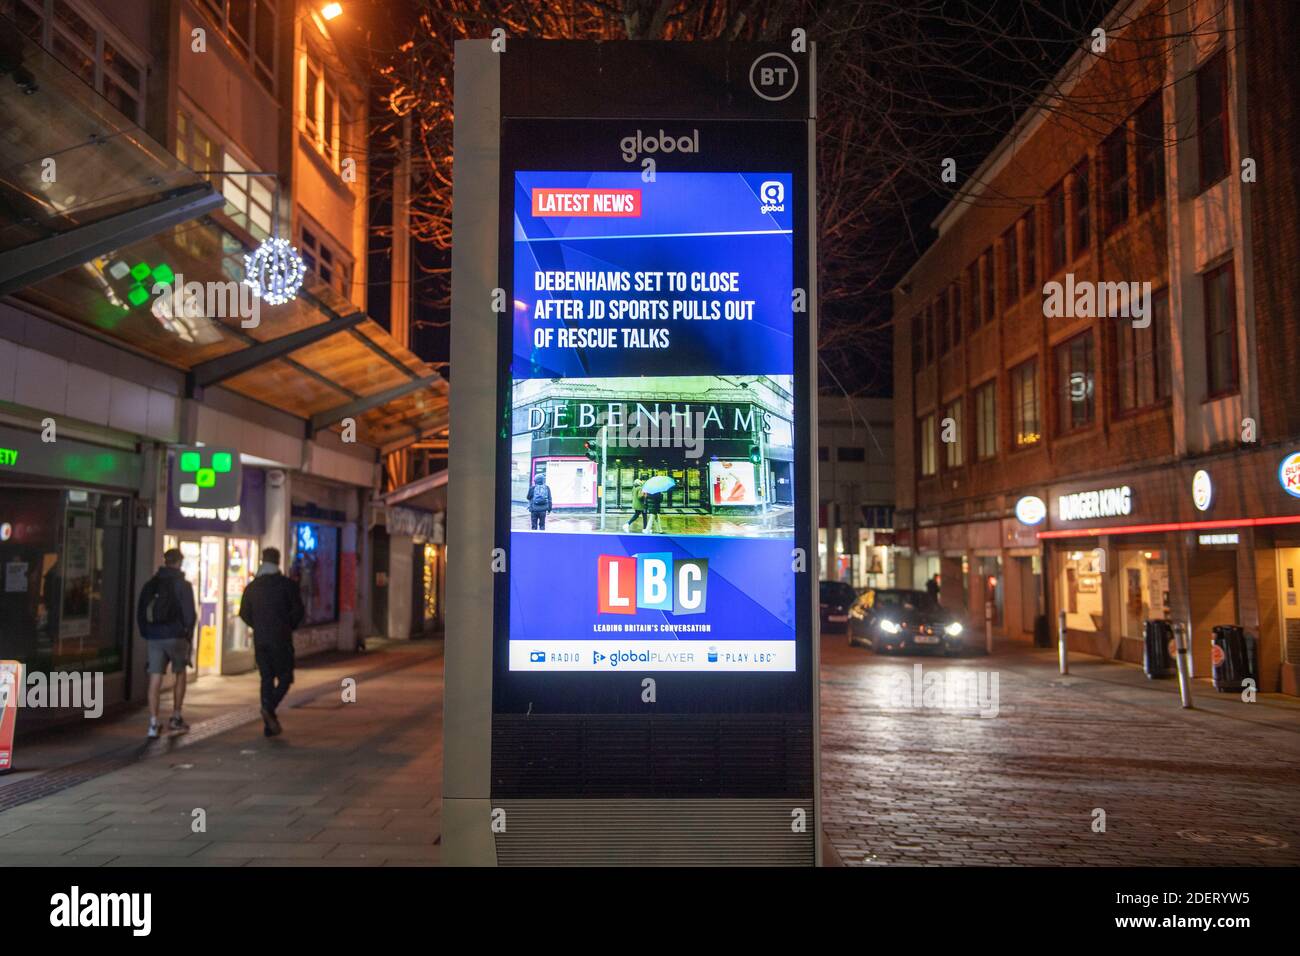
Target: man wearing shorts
166, 616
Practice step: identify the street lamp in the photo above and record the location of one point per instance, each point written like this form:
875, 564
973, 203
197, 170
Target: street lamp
331, 10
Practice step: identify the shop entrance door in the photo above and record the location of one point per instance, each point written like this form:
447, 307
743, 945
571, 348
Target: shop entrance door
202, 565
1212, 578
1031, 593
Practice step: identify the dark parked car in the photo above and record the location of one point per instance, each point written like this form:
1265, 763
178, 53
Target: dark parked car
895, 619
836, 599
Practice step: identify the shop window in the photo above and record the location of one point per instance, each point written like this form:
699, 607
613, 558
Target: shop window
1114, 165
1056, 228
986, 421
926, 459
1212, 119
66, 603
1011, 256
1149, 151
953, 426
1142, 358
315, 569
1081, 234
1075, 383
1080, 589
1026, 423
1220, 331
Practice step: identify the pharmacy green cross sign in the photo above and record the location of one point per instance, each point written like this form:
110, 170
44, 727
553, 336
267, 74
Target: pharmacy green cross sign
204, 476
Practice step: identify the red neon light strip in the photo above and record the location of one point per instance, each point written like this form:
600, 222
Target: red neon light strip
1169, 526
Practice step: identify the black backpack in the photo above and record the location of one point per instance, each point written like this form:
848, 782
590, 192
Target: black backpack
541, 496
162, 607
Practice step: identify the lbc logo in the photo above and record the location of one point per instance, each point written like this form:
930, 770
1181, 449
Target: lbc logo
655, 582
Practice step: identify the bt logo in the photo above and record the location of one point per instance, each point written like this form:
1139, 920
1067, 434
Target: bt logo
772, 196
654, 581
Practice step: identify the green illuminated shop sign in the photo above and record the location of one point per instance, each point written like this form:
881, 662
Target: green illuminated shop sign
68, 460
8, 456
206, 477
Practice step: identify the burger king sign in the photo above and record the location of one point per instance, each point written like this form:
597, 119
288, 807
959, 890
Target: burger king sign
1288, 474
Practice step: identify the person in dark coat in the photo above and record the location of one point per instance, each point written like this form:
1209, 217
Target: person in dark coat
932, 589
539, 503
273, 608
166, 616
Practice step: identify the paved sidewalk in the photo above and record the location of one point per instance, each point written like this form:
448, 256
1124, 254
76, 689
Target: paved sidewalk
919, 785
346, 784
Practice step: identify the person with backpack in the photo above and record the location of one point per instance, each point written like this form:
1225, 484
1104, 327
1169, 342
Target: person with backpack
539, 503
166, 615
272, 606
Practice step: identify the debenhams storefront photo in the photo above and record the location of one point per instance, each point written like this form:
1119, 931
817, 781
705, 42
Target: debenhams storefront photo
1215, 542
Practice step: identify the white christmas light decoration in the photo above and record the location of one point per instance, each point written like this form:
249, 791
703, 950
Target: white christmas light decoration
275, 271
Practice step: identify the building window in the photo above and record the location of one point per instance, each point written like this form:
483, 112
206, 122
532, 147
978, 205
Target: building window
1076, 383
315, 569
954, 456
1114, 165
194, 147
918, 339
986, 285
1142, 358
75, 41
1011, 253
823, 453
1025, 422
248, 198
851, 454
1056, 228
1082, 232
325, 260
944, 341
929, 336
1149, 153
1029, 277
1212, 119
926, 441
323, 111
250, 27
1220, 330
986, 421
954, 312
973, 315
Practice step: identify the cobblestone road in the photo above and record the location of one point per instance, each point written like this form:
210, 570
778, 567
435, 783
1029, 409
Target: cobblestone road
905, 785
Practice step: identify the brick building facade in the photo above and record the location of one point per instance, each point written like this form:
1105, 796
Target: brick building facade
1034, 361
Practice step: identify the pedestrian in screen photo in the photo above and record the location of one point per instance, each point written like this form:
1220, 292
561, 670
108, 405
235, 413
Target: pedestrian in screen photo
539, 503
272, 606
638, 498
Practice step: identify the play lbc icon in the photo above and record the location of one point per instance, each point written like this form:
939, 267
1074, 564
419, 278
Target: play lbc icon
773, 76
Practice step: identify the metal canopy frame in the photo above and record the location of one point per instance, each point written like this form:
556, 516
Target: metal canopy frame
223, 367
365, 403
47, 257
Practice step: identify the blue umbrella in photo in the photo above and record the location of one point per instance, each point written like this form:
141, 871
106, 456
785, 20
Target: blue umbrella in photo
658, 485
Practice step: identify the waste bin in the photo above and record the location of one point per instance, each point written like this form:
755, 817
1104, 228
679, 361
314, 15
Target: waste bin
1234, 656
1042, 638
1158, 649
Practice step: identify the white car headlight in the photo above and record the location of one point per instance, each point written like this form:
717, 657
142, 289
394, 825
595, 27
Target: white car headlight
888, 626
953, 629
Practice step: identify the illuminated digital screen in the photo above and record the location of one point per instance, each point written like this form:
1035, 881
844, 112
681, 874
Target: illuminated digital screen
651, 491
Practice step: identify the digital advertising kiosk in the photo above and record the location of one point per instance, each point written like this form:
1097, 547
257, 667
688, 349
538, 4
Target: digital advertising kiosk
631, 656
